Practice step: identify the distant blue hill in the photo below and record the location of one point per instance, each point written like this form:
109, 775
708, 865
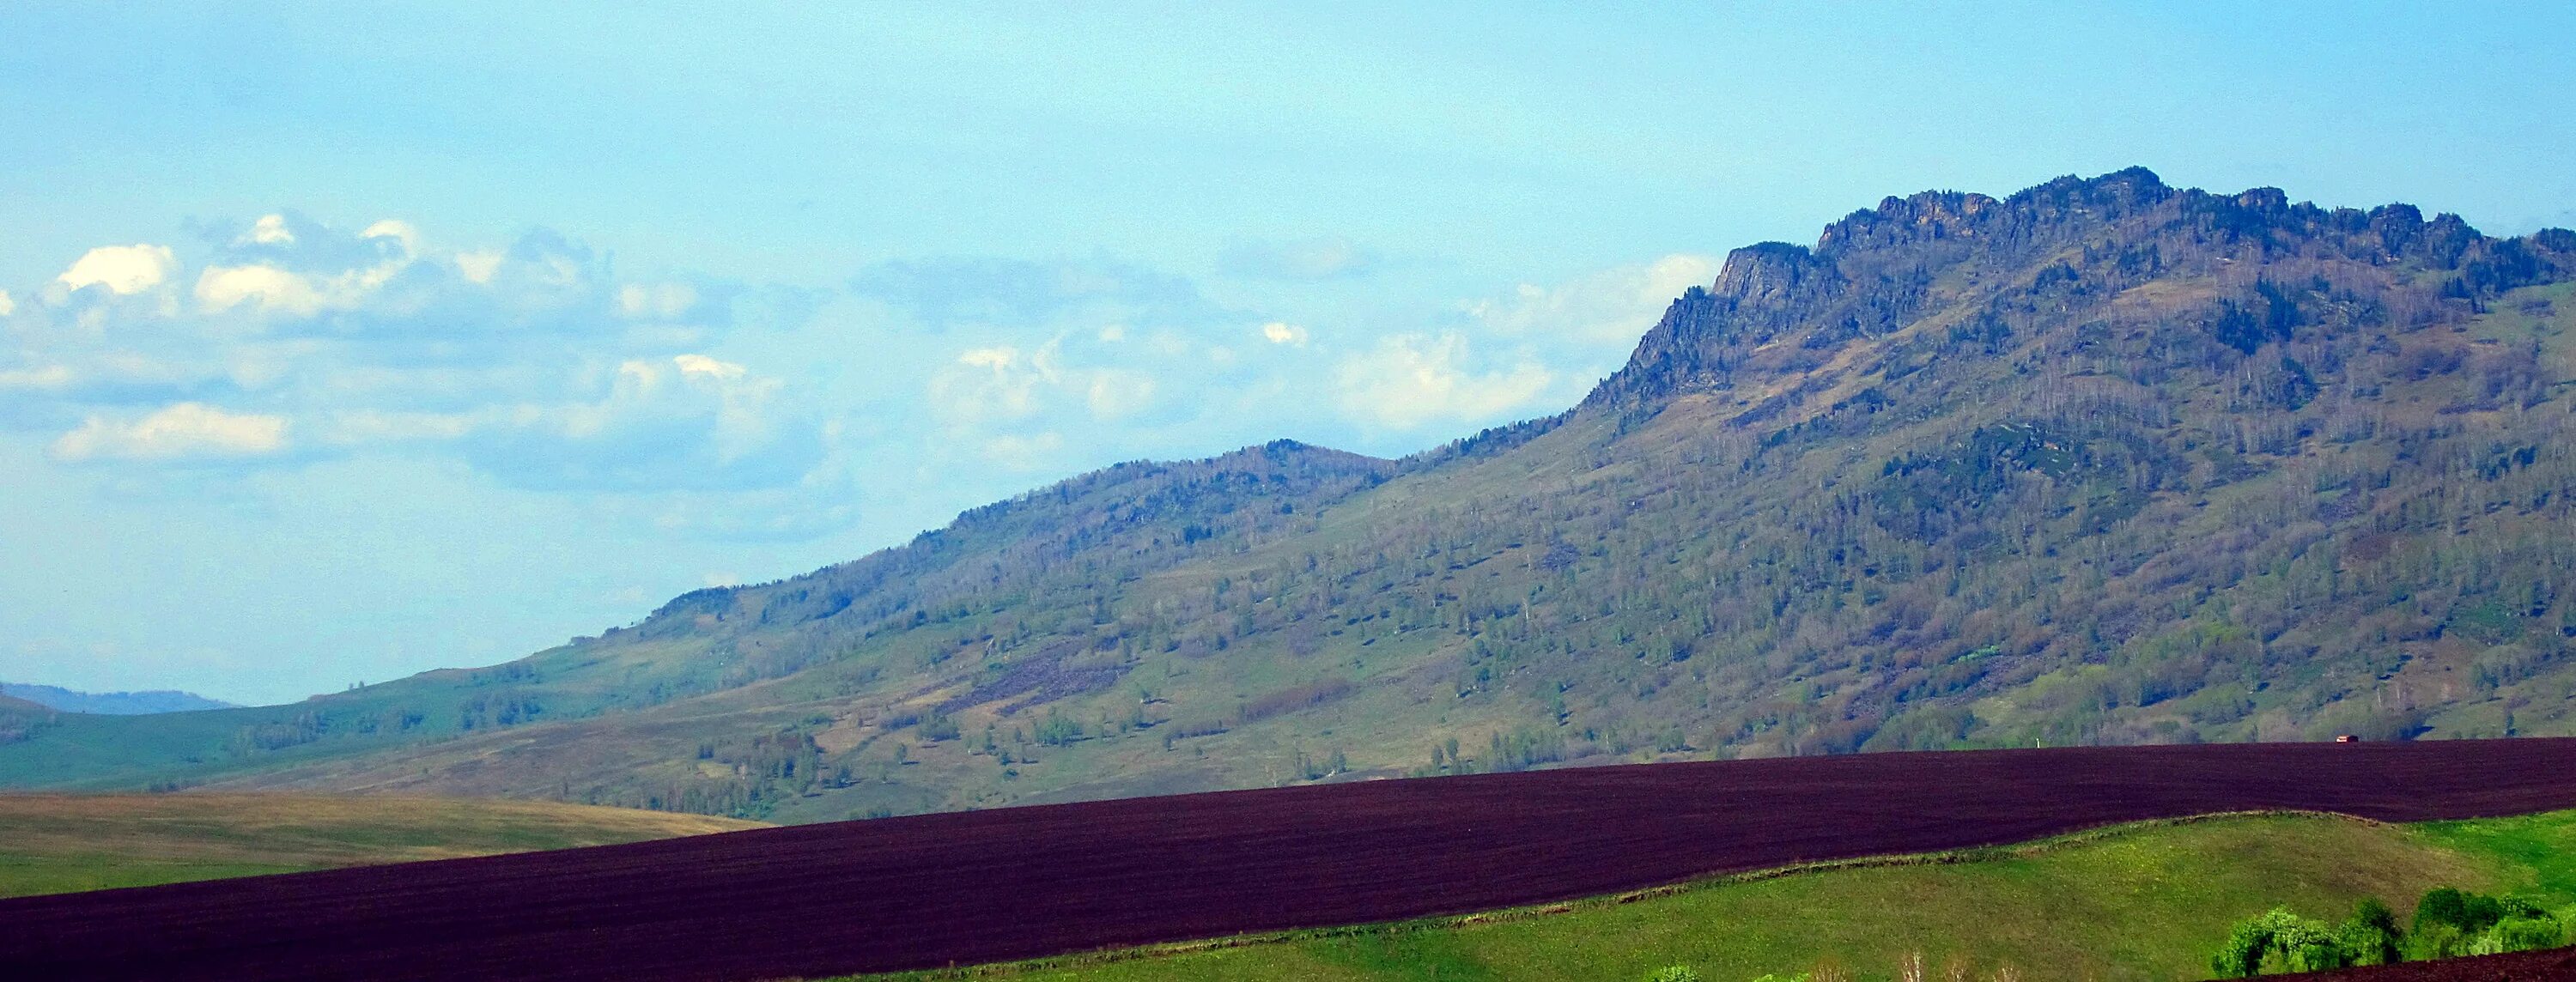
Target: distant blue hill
111, 703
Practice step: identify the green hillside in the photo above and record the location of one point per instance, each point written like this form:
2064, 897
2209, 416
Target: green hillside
52, 843
2101, 462
2136, 902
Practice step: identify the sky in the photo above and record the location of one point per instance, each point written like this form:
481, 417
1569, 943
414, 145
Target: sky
344, 341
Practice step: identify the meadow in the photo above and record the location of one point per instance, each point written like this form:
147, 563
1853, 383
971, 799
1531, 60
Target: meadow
51, 843
2142, 901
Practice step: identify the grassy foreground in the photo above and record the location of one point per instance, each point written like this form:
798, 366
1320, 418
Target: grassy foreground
2144, 901
53, 843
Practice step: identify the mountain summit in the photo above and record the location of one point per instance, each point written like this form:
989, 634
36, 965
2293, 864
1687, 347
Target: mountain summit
2104, 461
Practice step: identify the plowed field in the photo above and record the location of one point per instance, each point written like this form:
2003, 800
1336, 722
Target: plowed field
2529, 966
1012, 883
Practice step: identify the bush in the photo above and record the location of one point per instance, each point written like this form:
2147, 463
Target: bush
2301, 945
2450, 923
2437, 939
2441, 905
1674, 973
2370, 936
2520, 934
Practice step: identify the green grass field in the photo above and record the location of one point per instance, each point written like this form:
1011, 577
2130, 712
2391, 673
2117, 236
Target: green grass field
62, 843
2142, 902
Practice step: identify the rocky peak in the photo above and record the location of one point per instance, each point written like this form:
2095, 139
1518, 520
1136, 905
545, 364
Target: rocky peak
1879, 269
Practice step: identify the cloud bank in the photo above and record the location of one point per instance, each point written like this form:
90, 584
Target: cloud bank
280, 341
699, 406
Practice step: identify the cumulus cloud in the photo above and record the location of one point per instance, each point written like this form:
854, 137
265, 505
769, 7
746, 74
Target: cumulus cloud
994, 382
722, 371
1302, 259
658, 300
1411, 380
187, 431
479, 266
268, 230
1279, 332
1614, 306
121, 269
690, 422
530, 363
221, 288
7, 305
396, 229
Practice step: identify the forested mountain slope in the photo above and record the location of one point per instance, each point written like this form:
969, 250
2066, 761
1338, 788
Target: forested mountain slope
2105, 461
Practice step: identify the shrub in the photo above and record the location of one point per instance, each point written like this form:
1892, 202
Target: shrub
2303, 946
2370, 936
2520, 934
2482, 912
2441, 905
2437, 939
1674, 973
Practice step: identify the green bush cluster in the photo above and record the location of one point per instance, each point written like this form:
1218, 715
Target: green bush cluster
2448, 923
2452, 922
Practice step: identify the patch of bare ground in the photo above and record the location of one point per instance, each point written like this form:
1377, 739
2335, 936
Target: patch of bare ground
974, 887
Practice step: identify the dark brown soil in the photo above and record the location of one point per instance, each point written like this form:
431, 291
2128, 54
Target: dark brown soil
2529, 966
1014, 883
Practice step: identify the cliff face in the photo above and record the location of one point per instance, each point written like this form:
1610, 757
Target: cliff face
1879, 270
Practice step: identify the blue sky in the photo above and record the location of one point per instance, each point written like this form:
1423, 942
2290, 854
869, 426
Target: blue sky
346, 341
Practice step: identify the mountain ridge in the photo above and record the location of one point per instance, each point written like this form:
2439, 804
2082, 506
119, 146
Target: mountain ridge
2102, 461
112, 703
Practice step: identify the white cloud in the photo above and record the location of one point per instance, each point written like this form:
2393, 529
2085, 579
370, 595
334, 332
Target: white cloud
661, 300
996, 358
274, 290
478, 267
184, 431
998, 382
687, 423
268, 230
222, 288
7, 305
121, 269
1283, 333
1614, 306
50, 377
1002, 384
396, 229
709, 367
1413, 379
1112, 334
1116, 393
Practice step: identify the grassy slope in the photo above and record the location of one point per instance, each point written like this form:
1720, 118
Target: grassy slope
2134, 902
63, 843
2190, 550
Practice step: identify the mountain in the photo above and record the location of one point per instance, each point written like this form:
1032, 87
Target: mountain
111, 703
2103, 461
